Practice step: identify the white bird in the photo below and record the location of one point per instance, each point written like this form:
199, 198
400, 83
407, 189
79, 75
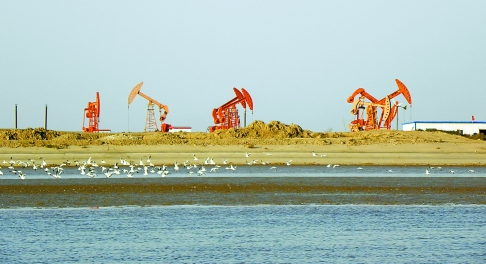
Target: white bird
335, 165
427, 171
359, 168
471, 171
55, 175
390, 170
323, 155
231, 167
288, 162
214, 169
148, 159
269, 154
176, 167
190, 173
141, 162
451, 171
21, 175
314, 154
91, 174
195, 158
1, 172
163, 173
108, 174
247, 154
273, 168
329, 165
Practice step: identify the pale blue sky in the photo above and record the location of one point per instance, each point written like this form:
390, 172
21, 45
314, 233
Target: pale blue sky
300, 60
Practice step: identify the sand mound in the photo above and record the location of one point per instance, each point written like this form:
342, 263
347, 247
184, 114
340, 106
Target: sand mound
257, 133
28, 134
258, 129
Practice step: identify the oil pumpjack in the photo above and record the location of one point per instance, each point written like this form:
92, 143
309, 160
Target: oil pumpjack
388, 111
226, 116
151, 122
92, 113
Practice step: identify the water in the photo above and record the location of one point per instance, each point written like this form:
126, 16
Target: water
266, 171
246, 234
309, 233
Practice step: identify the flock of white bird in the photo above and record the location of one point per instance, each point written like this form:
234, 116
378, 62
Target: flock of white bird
90, 166
92, 169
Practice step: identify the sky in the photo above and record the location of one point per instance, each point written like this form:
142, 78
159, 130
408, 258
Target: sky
299, 60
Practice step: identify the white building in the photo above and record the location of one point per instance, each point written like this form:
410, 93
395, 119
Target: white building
464, 127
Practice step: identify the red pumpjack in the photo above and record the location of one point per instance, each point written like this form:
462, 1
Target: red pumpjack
226, 116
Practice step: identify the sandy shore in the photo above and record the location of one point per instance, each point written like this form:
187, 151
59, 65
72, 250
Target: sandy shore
472, 153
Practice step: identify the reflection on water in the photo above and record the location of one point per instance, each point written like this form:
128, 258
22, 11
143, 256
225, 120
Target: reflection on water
245, 234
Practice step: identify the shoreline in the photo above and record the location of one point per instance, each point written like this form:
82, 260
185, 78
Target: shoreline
420, 154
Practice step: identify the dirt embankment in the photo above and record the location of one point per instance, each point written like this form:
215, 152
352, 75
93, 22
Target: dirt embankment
257, 133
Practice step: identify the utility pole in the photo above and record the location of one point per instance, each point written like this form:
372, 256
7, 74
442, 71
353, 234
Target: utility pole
45, 119
404, 108
15, 117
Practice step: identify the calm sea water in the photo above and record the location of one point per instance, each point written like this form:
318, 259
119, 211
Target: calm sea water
249, 234
245, 234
